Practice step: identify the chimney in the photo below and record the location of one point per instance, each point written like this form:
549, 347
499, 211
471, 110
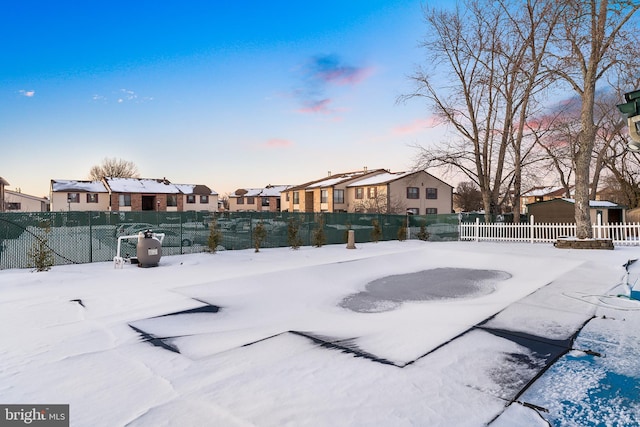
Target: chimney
365, 169
329, 173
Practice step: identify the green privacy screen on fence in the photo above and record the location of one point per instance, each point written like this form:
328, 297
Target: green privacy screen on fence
83, 237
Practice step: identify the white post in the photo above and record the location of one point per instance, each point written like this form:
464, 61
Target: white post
531, 221
599, 221
477, 229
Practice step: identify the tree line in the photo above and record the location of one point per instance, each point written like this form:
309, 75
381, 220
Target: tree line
528, 90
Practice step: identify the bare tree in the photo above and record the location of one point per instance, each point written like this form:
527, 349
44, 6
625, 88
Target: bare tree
491, 53
113, 168
468, 197
381, 203
590, 41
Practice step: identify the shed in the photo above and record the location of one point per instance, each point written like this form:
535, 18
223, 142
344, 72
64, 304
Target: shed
563, 211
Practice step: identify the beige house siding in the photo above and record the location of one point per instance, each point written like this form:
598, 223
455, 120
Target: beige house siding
391, 195
19, 202
144, 194
69, 195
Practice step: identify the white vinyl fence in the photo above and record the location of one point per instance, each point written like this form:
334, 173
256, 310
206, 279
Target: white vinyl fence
619, 233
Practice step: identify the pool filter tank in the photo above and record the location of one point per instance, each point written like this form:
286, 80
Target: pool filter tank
149, 249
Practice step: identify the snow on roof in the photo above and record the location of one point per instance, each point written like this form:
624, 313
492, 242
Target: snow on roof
269, 191
333, 180
141, 185
74, 185
597, 203
382, 178
541, 191
195, 189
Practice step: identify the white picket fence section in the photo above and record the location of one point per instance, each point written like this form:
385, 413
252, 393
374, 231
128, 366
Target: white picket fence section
619, 233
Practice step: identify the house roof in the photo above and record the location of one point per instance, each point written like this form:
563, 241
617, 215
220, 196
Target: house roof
336, 179
268, 191
141, 185
80, 186
542, 191
382, 178
26, 196
592, 203
201, 190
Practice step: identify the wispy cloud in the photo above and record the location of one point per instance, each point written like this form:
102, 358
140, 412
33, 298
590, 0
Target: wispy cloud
27, 93
418, 125
319, 75
122, 96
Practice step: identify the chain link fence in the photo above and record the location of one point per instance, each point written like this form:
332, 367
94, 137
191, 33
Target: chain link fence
83, 237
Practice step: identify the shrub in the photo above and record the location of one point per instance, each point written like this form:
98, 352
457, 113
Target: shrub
259, 234
402, 231
376, 233
40, 254
293, 237
215, 236
423, 234
319, 238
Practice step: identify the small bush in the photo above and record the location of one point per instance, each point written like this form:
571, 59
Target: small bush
259, 234
40, 254
402, 231
319, 237
376, 233
423, 234
215, 236
293, 237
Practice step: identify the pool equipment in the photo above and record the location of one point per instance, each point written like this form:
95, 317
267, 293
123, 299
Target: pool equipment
148, 249
629, 289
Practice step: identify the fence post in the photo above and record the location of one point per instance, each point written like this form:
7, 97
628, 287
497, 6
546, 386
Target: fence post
90, 239
477, 229
531, 229
599, 223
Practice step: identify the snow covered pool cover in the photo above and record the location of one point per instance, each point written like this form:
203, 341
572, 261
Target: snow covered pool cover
387, 293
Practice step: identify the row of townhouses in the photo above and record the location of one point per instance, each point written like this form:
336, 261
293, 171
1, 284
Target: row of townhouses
377, 190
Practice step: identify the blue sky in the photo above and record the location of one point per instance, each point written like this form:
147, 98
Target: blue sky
228, 94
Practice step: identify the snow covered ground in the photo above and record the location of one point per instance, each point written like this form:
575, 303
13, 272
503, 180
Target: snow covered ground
273, 338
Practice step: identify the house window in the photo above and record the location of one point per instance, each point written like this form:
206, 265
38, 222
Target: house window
372, 192
172, 200
338, 196
124, 199
324, 196
413, 211
191, 198
432, 193
251, 200
413, 193
264, 201
92, 198
296, 197
73, 197
360, 193
240, 201
432, 211
12, 206
204, 200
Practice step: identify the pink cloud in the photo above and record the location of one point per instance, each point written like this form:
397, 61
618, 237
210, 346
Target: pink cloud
27, 93
345, 75
321, 106
278, 143
418, 125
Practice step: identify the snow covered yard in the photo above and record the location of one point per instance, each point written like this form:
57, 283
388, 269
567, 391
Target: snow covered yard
268, 339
